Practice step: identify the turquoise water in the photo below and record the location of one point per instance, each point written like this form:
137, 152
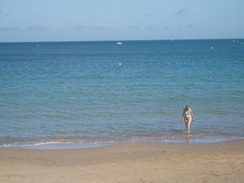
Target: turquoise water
104, 93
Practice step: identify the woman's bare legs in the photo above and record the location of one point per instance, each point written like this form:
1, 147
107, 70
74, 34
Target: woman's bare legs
188, 125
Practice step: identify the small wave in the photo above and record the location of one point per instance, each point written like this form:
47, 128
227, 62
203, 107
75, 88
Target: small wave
59, 143
31, 144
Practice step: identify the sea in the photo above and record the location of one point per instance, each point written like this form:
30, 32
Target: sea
60, 95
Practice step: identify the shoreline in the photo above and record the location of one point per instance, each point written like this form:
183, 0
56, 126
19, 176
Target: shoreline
62, 145
133, 162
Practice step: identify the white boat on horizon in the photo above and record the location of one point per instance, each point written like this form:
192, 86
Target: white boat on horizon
119, 43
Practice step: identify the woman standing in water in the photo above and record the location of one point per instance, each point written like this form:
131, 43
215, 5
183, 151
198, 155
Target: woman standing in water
187, 117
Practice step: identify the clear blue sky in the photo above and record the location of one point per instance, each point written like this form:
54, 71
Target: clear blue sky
90, 20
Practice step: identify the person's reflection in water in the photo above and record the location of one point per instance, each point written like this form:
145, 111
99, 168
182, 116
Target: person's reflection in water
188, 138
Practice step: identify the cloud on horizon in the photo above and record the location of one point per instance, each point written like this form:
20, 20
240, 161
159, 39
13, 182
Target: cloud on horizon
78, 28
7, 29
182, 12
2, 14
38, 28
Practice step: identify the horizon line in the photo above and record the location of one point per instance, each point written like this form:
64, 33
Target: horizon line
122, 40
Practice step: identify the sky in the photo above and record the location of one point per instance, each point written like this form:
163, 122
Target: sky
101, 20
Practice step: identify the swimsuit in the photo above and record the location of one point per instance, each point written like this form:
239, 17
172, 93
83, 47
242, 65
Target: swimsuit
187, 113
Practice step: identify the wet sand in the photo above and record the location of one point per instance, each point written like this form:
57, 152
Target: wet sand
132, 163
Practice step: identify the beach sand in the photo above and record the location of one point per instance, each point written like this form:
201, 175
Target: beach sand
143, 163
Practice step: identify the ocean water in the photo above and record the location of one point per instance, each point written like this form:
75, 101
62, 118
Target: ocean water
99, 93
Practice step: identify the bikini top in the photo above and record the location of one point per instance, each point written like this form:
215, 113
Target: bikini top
187, 113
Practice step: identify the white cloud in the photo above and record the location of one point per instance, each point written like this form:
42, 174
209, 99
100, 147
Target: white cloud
101, 28
182, 12
2, 14
7, 29
78, 28
148, 15
38, 28
134, 27
40, 16
188, 26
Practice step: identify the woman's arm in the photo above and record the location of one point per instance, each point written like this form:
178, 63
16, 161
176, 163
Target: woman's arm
183, 115
192, 114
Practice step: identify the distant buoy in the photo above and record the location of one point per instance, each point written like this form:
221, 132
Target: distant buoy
212, 47
120, 64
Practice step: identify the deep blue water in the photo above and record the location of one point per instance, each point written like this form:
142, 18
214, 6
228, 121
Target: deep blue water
103, 93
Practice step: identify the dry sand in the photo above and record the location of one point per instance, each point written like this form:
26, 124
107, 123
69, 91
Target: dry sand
144, 163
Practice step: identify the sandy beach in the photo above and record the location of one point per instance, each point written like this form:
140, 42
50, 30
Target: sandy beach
144, 163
